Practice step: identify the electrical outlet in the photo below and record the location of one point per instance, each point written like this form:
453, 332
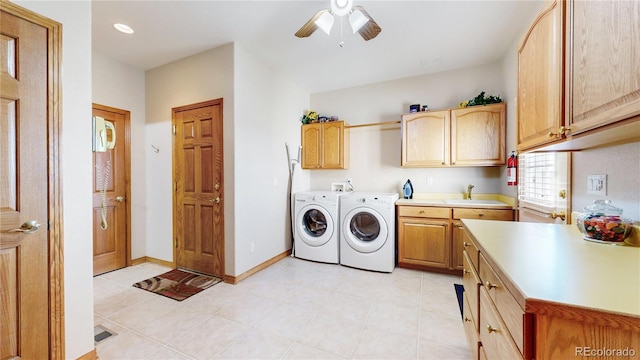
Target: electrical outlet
597, 184
253, 246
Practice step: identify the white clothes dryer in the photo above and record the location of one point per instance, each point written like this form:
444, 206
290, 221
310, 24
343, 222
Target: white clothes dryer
368, 235
315, 231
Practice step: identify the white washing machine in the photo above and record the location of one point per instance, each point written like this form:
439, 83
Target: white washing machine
316, 232
368, 231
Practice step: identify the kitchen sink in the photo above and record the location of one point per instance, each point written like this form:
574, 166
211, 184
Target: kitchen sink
473, 202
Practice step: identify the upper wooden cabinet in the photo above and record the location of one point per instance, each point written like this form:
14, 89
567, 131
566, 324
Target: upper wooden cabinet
473, 136
325, 145
426, 138
603, 63
578, 78
478, 135
539, 101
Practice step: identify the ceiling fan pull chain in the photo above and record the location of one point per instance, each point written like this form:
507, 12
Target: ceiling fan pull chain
341, 42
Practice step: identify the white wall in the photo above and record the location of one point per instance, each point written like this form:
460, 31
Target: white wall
201, 77
376, 150
260, 115
123, 87
267, 108
621, 164
76, 162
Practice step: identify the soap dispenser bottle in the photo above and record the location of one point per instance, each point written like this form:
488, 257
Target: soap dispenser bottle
407, 190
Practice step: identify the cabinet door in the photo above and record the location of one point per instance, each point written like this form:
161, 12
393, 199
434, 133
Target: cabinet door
478, 135
333, 145
311, 146
423, 242
540, 87
458, 238
425, 139
603, 60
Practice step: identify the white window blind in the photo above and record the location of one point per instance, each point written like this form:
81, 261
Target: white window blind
537, 179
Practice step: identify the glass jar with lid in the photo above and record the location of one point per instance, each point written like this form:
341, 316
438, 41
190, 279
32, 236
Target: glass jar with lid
603, 222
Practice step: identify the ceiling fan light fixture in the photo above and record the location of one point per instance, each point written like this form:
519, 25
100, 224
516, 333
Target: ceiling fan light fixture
341, 7
357, 20
325, 22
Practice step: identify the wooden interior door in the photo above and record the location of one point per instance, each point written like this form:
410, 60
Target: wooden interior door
24, 197
198, 183
111, 231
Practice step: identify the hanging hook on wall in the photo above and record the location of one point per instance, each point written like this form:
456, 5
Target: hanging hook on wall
155, 149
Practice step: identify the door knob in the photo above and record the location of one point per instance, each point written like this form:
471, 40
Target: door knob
217, 200
28, 227
119, 199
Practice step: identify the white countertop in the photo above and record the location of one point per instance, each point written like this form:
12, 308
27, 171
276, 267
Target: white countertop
458, 204
552, 262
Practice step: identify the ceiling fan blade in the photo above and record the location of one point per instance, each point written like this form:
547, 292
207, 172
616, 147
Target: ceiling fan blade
310, 26
369, 30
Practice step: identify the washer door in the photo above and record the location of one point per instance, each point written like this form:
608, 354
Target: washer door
314, 225
365, 230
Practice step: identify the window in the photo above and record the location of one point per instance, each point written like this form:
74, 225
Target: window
543, 180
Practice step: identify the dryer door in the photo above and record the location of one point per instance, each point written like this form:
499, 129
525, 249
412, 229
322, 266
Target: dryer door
314, 225
365, 230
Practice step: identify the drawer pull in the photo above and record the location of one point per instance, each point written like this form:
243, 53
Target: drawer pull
466, 319
489, 285
481, 214
421, 212
491, 329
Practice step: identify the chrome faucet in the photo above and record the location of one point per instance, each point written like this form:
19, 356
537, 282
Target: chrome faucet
469, 191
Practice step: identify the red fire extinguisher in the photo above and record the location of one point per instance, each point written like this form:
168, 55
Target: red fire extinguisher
512, 169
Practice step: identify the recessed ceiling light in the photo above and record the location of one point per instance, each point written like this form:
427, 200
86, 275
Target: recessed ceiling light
123, 28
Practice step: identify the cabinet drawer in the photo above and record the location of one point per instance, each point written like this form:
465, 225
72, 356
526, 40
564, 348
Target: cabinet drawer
470, 329
472, 252
485, 214
424, 211
510, 311
471, 282
494, 335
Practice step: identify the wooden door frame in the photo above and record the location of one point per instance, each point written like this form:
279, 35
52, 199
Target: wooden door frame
54, 196
219, 101
127, 171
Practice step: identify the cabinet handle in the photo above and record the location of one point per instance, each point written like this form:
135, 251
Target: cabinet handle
560, 215
466, 319
489, 285
466, 271
491, 329
561, 131
465, 244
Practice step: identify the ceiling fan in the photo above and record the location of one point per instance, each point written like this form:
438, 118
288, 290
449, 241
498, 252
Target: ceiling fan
359, 20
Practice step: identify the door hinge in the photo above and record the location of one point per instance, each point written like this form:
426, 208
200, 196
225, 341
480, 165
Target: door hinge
175, 242
175, 186
173, 129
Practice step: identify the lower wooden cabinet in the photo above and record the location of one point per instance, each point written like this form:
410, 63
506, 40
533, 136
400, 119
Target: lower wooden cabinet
500, 322
425, 242
433, 238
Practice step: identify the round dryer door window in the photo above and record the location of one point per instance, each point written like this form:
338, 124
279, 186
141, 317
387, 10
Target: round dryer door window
365, 230
315, 225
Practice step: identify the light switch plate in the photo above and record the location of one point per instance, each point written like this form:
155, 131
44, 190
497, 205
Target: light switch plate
597, 184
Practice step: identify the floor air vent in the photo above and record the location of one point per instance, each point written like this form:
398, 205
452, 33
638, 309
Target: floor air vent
100, 334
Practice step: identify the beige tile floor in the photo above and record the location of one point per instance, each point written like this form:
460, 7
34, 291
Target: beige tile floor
295, 309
